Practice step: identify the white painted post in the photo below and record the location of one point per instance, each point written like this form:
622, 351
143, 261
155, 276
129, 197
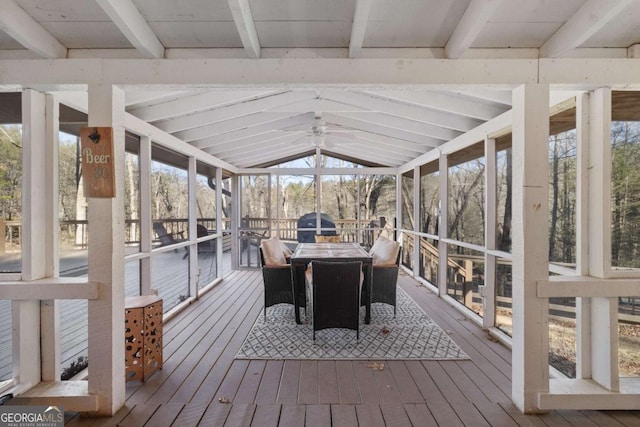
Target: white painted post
194, 268
416, 221
52, 113
235, 217
583, 305
50, 309
398, 223
489, 288
599, 183
26, 314
219, 241
530, 352
604, 311
146, 226
443, 256
106, 262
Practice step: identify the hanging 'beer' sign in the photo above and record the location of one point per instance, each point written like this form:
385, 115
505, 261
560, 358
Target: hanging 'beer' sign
96, 153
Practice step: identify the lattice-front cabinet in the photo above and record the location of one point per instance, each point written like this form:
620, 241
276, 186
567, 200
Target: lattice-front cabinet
143, 336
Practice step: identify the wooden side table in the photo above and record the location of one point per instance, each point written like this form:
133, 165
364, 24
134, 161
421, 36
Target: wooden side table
143, 336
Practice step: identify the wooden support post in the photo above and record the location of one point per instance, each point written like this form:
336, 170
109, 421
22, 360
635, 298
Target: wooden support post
194, 274
467, 284
604, 311
489, 288
235, 219
106, 262
530, 352
146, 226
219, 241
443, 256
416, 221
50, 309
583, 305
26, 314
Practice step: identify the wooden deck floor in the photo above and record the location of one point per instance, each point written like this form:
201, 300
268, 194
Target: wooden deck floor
202, 384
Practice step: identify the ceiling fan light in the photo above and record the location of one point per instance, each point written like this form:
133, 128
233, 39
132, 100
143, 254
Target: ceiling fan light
317, 140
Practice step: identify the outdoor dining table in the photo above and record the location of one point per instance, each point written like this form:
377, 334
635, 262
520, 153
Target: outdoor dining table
307, 252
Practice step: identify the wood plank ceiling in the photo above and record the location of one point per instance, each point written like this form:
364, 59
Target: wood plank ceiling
252, 125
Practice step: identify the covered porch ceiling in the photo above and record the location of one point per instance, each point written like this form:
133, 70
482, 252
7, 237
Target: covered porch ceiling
336, 101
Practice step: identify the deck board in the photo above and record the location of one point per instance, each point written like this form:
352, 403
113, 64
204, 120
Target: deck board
190, 415
266, 416
347, 383
270, 381
251, 382
318, 416
215, 415
366, 383
165, 415
288, 390
395, 415
419, 414
369, 415
328, 391
343, 416
308, 388
292, 416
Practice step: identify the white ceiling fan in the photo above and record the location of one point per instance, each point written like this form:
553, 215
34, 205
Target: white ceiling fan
319, 131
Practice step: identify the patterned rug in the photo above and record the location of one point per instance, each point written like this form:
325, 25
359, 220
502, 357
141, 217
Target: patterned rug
411, 335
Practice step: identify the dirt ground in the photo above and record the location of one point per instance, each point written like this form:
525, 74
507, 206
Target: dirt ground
562, 345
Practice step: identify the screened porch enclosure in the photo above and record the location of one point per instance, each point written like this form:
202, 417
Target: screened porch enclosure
453, 212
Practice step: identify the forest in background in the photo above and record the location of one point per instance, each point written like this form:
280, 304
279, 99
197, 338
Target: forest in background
296, 194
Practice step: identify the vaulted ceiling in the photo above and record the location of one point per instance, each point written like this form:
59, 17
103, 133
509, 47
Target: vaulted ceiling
252, 124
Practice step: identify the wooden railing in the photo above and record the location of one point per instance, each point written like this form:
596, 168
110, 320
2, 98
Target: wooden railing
11, 232
287, 229
74, 233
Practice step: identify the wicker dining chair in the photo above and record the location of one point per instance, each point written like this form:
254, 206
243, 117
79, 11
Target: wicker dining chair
384, 283
336, 295
277, 283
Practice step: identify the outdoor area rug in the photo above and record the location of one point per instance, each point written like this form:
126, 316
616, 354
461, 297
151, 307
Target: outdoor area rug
411, 335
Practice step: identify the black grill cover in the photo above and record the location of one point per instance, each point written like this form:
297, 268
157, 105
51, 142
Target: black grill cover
309, 221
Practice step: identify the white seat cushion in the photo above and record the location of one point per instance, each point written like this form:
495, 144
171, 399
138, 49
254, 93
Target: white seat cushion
273, 252
384, 251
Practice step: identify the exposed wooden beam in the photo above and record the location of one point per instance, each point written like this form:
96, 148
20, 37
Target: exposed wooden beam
397, 122
426, 115
358, 27
451, 103
493, 95
28, 32
230, 125
193, 103
472, 22
589, 19
368, 153
132, 24
249, 131
278, 73
236, 110
258, 142
386, 146
140, 99
246, 27
383, 130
